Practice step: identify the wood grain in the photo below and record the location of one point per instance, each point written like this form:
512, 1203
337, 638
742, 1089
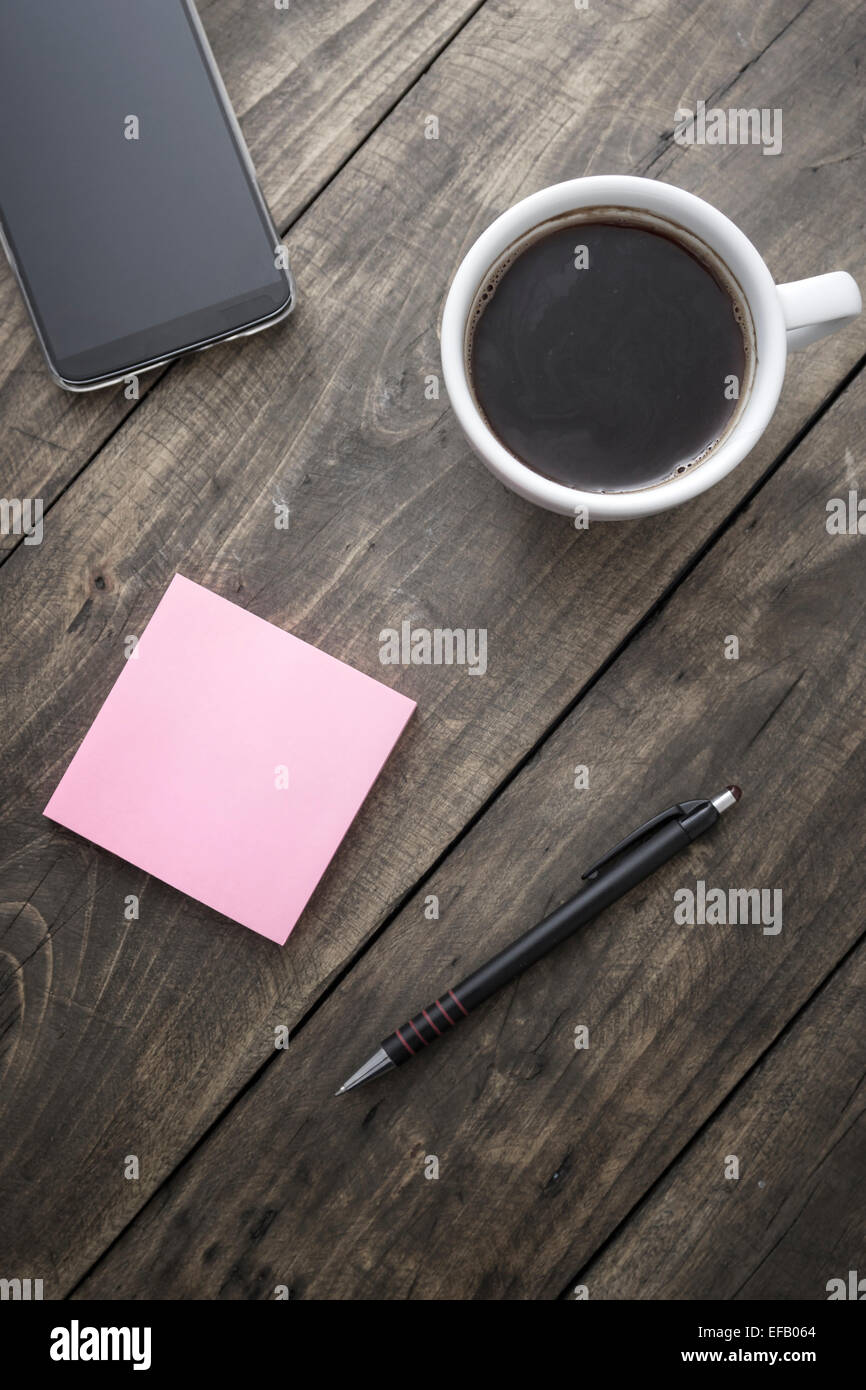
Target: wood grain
308, 88
544, 1149
793, 1220
391, 520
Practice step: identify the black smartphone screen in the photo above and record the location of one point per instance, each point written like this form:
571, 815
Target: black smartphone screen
133, 218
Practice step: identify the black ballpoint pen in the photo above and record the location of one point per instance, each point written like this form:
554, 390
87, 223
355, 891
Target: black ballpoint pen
627, 864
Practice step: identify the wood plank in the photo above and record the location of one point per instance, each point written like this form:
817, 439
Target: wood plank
391, 520
542, 1148
307, 92
794, 1218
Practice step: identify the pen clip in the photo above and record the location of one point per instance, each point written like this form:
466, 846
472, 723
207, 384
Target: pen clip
672, 813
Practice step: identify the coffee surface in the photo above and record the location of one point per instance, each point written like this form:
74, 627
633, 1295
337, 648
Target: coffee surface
613, 376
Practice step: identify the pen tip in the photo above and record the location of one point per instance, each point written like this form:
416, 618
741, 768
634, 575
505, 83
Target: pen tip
340, 1092
735, 792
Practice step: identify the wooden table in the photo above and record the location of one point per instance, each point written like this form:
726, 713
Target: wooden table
606, 1167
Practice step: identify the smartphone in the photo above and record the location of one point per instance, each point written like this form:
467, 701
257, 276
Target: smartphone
129, 207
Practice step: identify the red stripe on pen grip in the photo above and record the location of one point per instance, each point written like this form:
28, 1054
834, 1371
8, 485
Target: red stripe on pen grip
432, 1024
409, 1049
442, 1011
417, 1034
465, 1012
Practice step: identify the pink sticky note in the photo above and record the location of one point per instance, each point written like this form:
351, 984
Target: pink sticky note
229, 759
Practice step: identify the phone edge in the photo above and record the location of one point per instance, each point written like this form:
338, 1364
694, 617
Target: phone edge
247, 330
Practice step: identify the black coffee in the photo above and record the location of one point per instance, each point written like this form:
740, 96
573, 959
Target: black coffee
609, 367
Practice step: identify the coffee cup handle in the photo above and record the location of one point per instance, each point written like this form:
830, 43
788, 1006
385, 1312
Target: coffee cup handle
816, 307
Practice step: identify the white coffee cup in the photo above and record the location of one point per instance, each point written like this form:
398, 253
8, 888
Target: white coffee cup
783, 317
